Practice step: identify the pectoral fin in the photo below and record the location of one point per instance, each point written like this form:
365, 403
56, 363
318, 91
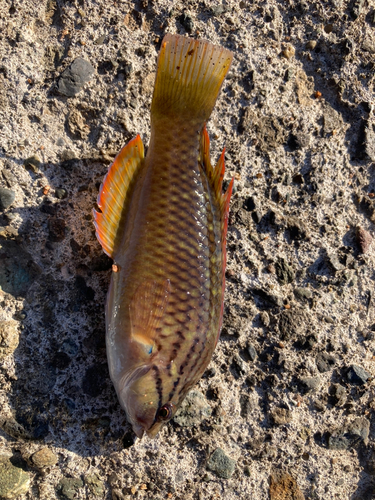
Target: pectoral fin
146, 310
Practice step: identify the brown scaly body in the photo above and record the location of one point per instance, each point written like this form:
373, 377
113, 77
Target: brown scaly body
164, 308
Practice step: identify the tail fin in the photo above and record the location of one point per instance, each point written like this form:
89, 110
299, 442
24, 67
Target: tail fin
189, 76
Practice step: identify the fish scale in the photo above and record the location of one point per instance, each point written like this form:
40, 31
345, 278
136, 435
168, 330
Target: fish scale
165, 228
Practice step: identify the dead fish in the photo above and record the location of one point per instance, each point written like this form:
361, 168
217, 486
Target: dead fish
163, 219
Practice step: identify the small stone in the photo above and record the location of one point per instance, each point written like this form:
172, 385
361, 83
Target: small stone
360, 427
44, 458
95, 485
357, 375
13, 480
284, 272
75, 77
311, 44
311, 383
364, 239
338, 443
69, 486
57, 229
288, 52
302, 293
221, 464
334, 263
33, 163
61, 193
194, 409
187, 22
7, 197
251, 352
8, 338
328, 28
338, 394
284, 487
281, 416
324, 362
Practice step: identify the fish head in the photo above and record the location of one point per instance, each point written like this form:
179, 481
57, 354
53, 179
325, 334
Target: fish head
140, 398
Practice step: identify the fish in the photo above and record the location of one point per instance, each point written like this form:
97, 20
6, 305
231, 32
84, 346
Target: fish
162, 217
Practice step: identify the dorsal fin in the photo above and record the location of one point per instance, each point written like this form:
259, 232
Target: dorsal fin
146, 309
113, 193
216, 176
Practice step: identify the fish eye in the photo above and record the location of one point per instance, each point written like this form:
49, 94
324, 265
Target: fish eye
165, 413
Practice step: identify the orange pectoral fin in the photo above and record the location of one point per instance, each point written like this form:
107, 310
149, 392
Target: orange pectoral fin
114, 193
146, 310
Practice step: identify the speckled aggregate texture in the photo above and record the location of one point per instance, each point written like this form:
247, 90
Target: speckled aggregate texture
288, 398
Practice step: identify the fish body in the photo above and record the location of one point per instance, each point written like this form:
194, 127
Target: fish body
163, 220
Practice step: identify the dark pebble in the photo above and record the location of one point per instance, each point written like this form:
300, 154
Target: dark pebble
364, 239
251, 352
74, 78
337, 394
61, 193
311, 383
338, 443
357, 375
324, 362
334, 263
7, 197
284, 272
221, 464
187, 22
302, 293
33, 163
69, 486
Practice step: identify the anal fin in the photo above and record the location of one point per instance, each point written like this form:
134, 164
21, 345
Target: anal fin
114, 192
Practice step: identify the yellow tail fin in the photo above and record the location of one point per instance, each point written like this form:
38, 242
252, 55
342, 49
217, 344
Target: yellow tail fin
189, 76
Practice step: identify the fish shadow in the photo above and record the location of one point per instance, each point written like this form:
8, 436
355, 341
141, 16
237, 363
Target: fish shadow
55, 274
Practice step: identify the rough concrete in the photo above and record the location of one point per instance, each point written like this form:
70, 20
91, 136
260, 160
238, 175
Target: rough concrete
296, 115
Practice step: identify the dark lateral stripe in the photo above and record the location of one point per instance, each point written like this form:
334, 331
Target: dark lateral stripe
175, 385
196, 364
189, 355
159, 385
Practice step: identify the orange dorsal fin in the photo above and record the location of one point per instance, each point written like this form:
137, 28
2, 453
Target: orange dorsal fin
215, 176
146, 309
189, 76
114, 192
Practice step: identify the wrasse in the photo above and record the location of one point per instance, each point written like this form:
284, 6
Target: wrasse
163, 219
